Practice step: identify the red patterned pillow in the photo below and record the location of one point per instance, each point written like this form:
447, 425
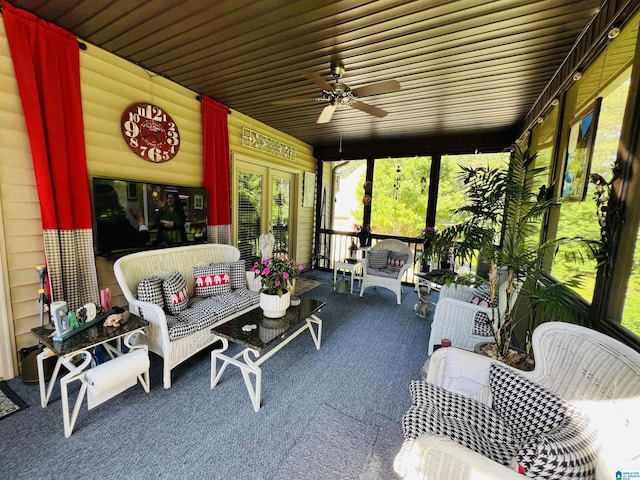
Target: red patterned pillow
176, 295
481, 296
212, 279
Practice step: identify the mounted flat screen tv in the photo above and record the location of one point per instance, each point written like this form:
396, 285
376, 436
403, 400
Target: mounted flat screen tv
130, 215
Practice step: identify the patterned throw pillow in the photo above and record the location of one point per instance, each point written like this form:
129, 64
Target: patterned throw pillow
378, 258
481, 296
527, 408
465, 421
396, 260
213, 279
237, 272
150, 290
569, 451
482, 325
176, 295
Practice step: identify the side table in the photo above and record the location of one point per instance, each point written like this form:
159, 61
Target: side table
101, 382
354, 267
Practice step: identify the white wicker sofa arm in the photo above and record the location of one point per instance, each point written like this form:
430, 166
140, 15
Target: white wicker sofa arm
458, 292
157, 330
454, 319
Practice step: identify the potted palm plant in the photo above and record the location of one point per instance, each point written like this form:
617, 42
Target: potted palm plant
500, 224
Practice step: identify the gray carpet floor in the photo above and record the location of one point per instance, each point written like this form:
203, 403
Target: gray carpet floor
328, 414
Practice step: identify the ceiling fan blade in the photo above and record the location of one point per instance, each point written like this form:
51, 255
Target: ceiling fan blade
318, 80
376, 88
292, 101
370, 109
326, 114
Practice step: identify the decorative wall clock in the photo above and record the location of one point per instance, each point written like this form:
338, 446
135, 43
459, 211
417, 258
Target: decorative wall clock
150, 132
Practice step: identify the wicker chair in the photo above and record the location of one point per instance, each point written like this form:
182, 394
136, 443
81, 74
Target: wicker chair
384, 277
455, 316
588, 369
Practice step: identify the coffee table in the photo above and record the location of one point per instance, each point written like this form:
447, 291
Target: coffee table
262, 337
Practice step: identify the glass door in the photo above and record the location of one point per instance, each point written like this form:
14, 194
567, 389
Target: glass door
263, 202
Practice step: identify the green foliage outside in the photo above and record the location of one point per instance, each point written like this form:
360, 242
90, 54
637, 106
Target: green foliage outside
399, 207
398, 211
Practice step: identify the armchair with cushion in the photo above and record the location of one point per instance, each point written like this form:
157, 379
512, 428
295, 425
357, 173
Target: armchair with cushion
385, 264
576, 415
463, 314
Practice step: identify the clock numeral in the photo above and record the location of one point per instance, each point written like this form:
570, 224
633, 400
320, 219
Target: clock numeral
155, 154
133, 142
131, 128
172, 135
134, 117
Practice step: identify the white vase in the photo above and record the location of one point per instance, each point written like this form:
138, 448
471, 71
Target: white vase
274, 306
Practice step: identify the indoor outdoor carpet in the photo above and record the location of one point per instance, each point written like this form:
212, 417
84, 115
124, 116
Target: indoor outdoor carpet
304, 285
9, 401
347, 441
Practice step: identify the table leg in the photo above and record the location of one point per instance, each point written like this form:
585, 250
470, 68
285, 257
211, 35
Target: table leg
75, 373
317, 336
45, 393
247, 367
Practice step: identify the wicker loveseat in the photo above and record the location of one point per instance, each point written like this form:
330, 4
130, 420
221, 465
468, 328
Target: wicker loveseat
591, 373
177, 338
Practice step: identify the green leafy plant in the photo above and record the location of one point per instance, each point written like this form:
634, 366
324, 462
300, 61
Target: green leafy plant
500, 223
276, 273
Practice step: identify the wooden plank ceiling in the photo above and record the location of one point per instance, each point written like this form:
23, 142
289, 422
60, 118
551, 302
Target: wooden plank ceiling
465, 67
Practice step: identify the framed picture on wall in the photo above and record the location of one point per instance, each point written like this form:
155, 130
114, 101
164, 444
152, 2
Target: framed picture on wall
198, 202
577, 165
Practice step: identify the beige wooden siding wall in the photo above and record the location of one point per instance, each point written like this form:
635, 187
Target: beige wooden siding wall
304, 162
109, 85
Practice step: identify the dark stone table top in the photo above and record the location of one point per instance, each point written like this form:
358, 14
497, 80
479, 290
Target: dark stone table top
90, 337
268, 331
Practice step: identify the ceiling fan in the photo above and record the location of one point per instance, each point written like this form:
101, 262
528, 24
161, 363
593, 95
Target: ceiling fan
341, 95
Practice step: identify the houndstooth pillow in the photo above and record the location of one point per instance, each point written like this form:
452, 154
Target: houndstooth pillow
481, 296
527, 408
237, 272
568, 451
213, 279
478, 415
482, 325
378, 258
150, 290
458, 426
176, 296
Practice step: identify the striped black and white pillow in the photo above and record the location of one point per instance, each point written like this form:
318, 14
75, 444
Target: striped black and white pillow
176, 295
212, 279
377, 258
150, 290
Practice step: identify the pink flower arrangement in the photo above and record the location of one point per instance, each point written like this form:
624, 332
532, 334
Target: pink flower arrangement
276, 273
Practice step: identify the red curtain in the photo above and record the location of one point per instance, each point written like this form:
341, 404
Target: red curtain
217, 168
47, 66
